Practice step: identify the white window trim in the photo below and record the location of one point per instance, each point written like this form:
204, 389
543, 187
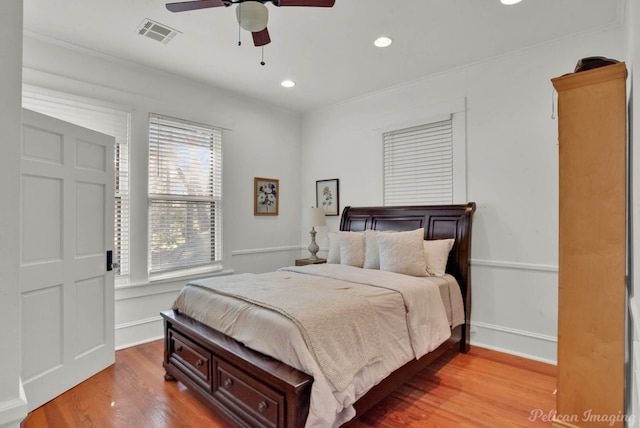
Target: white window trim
214, 266
456, 109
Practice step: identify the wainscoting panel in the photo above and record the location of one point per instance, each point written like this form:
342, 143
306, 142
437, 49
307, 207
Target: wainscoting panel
138, 332
138, 318
515, 308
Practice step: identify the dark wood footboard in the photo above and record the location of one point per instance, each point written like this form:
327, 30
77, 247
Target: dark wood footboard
246, 387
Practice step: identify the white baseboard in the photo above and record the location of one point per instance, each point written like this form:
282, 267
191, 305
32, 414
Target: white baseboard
12, 412
139, 332
526, 344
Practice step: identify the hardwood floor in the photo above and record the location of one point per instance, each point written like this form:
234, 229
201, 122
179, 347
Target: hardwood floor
480, 389
483, 388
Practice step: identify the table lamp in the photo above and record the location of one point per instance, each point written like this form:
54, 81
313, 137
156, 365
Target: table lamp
314, 217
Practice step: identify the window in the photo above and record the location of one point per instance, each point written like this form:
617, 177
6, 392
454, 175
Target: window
107, 121
422, 165
185, 195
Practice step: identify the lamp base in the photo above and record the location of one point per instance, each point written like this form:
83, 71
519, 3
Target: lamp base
313, 247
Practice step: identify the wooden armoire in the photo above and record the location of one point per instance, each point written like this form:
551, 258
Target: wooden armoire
592, 247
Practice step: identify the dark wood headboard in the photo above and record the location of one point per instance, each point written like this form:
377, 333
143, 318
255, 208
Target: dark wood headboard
439, 222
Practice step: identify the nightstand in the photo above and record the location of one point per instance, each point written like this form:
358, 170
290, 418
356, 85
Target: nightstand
302, 262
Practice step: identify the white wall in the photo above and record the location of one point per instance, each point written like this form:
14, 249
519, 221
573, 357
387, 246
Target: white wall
511, 174
633, 82
259, 140
12, 401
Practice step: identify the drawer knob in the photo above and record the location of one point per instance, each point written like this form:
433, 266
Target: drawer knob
199, 363
228, 383
179, 348
262, 406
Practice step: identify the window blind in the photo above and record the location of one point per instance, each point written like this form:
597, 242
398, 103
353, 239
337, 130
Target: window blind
107, 121
185, 194
418, 164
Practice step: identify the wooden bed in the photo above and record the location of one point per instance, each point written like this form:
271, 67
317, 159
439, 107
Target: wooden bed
250, 389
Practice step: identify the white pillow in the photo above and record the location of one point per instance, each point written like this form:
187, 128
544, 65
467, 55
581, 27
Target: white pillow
371, 255
436, 254
351, 248
402, 252
334, 248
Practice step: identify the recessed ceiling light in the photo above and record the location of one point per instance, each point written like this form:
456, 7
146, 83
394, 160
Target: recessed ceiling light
382, 42
509, 2
288, 83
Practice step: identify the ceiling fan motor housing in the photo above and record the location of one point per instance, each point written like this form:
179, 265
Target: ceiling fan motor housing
252, 16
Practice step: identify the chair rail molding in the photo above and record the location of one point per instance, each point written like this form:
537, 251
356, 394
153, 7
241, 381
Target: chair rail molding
514, 265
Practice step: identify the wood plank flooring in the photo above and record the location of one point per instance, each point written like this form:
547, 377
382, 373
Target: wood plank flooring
480, 389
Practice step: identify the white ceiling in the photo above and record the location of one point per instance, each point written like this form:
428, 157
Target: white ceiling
327, 51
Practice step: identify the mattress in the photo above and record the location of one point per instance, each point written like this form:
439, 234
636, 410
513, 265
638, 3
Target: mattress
408, 325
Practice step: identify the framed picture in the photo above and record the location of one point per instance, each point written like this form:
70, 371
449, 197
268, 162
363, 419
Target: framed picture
328, 196
265, 196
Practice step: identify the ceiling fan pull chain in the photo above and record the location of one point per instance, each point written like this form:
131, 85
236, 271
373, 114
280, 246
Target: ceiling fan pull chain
262, 62
239, 41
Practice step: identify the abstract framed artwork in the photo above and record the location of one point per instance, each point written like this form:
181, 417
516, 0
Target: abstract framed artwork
328, 196
265, 196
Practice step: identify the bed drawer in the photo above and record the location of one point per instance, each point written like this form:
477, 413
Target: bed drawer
192, 358
259, 403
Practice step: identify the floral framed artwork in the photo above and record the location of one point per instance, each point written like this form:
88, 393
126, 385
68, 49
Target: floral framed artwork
265, 196
328, 196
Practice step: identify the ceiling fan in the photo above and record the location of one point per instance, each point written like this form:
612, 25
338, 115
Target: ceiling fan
252, 15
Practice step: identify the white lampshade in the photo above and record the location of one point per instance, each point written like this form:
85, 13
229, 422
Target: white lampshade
314, 217
252, 16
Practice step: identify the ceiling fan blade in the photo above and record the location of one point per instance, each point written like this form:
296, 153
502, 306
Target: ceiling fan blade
261, 38
194, 5
312, 3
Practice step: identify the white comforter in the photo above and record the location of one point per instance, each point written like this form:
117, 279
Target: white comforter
411, 320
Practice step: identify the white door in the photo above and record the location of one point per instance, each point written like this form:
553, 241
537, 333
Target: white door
67, 296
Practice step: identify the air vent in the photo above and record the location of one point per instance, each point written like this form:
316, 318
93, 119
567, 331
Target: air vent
156, 31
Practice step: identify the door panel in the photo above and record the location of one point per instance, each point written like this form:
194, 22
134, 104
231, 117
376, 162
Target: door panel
41, 219
90, 324
90, 220
41, 329
67, 226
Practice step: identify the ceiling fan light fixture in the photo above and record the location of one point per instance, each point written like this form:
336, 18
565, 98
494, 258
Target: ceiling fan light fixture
252, 16
383, 42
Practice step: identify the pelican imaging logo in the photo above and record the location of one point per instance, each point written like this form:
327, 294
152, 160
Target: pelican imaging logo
586, 416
